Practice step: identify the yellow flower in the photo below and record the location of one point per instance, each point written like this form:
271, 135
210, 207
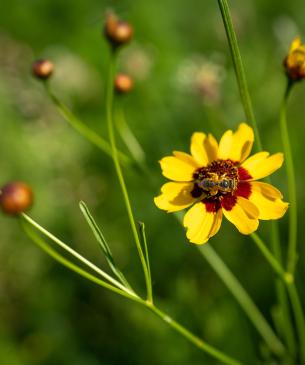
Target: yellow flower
294, 63
220, 179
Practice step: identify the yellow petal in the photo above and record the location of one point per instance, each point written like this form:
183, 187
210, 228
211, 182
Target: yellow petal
236, 146
225, 145
201, 225
211, 147
175, 196
268, 200
197, 149
186, 158
296, 43
261, 164
244, 215
179, 167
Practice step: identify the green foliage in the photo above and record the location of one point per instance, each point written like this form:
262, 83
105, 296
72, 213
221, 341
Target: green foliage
49, 315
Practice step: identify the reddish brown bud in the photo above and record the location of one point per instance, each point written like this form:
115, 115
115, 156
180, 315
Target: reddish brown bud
15, 198
42, 69
117, 31
123, 84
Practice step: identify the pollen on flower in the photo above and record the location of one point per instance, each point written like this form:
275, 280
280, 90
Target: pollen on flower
216, 184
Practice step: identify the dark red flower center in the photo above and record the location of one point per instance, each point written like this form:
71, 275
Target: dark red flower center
219, 183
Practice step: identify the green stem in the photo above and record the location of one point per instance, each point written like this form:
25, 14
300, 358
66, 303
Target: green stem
243, 298
248, 109
192, 338
82, 128
70, 265
179, 328
292, 243
292, 195
76, 254
144, 241
275, 265
114, 153
128, 137
130, 140
26, 223
239, 69
288, 279
298, 315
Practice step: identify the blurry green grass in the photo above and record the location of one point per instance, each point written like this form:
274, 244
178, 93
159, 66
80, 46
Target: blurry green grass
49, 315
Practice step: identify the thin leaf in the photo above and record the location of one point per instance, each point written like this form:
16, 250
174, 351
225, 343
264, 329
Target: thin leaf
75, 254
40, 242
144, 243
102, 243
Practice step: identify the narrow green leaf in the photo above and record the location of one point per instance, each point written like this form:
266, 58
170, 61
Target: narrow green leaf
102, 243
144, 243
39, 241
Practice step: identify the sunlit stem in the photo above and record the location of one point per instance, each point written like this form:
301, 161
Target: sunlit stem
114, 152
82, 128
248, 109
243, 298
239, 69
76, 254
225, 359
292, 243
70, 265
28, 226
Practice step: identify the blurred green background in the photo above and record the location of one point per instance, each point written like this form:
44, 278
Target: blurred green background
184, 83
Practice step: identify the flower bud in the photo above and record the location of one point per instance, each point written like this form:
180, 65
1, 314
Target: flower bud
15, 198
123, 84
294, 62
117, 31
42, 69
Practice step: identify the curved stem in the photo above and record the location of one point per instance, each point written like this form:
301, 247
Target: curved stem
239, 69
114, 153
82, 128
292, 243
225, 359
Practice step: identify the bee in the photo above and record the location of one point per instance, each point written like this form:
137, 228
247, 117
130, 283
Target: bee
216, 183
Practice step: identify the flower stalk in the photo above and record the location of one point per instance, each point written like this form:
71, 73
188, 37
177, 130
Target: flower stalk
293, 221
115, 157
82, 128
292, 242
288, 280
29, 225
239, 69
248, 109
